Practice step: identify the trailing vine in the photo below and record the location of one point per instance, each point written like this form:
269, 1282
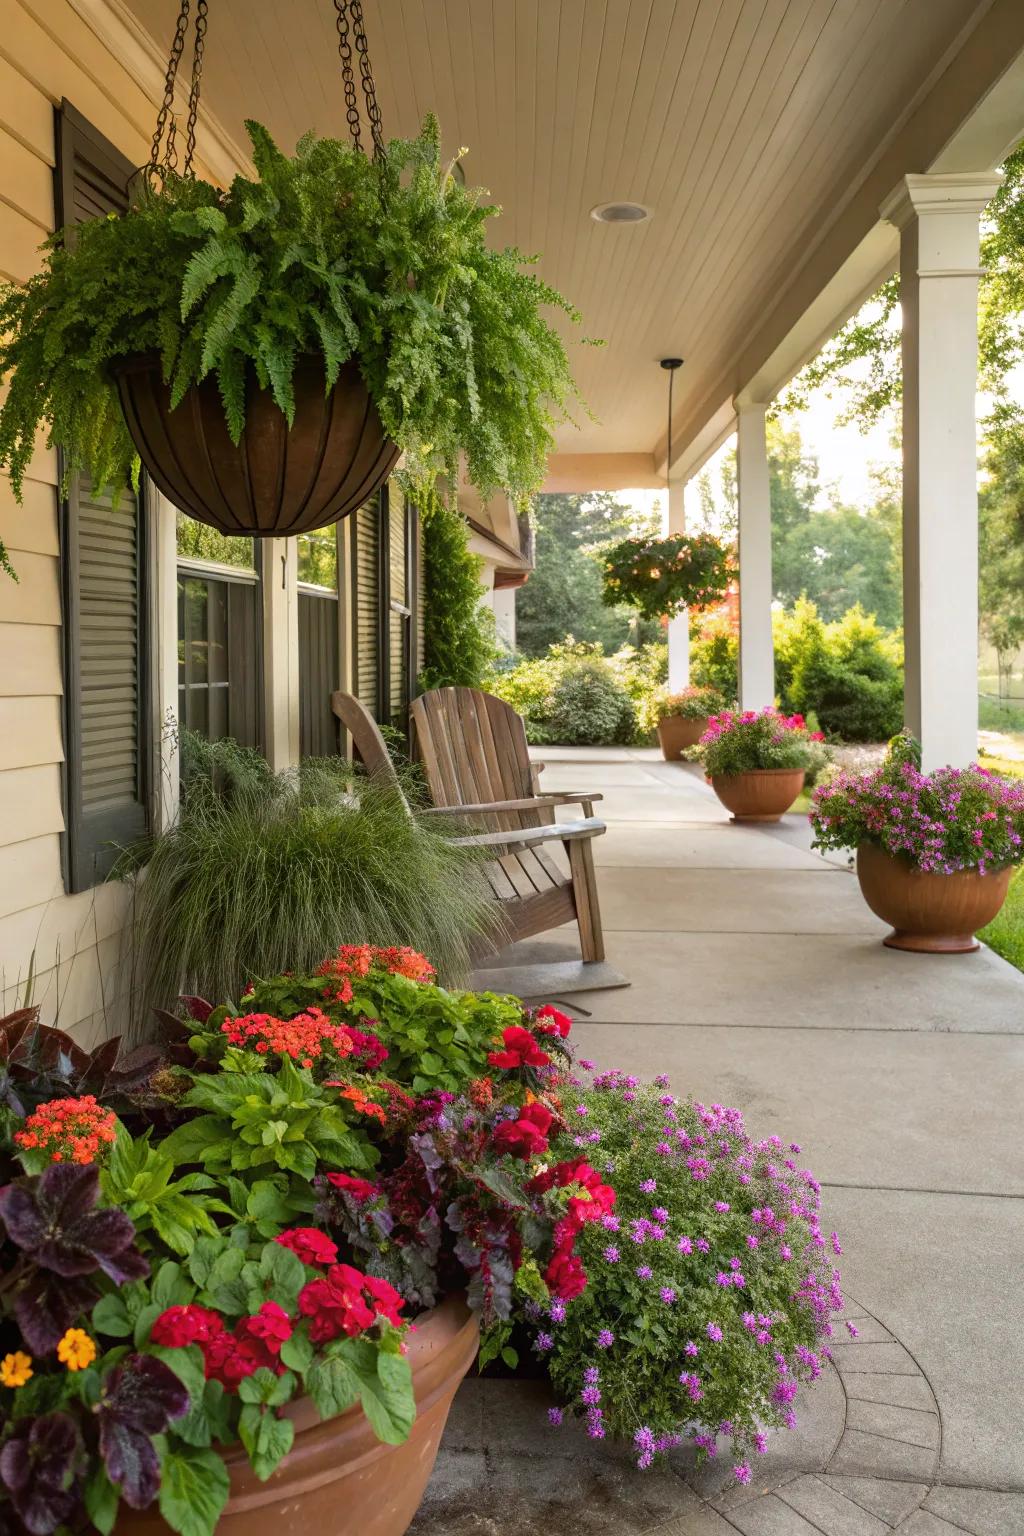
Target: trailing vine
661, 576
330, 252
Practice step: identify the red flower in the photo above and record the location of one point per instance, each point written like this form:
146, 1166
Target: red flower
311, 1246
551, 1022
271, 1326
595, 1200
527, 1136
521, 1050
334, 1307
386, 1300
180, 1326
565, 1276
359, 1189
230, 1360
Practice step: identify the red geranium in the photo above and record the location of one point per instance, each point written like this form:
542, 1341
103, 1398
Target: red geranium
338, 1304
550, 1021
565, 1276
178, 1327
527, 1136
311, 1246
266, 1330
360, 1189
521, 1050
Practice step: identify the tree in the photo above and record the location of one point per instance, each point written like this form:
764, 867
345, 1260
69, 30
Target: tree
1001, 554
563, 594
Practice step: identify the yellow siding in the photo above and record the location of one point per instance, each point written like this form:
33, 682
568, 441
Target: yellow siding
47, 53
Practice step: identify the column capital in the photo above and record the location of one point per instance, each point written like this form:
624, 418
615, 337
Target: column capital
944, 193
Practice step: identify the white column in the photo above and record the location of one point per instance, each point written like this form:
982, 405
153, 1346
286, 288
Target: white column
166, 756
281, 651
503, 601
679, 626
937, 217
757, 656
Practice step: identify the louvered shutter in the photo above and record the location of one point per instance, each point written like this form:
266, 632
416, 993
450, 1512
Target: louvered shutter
400, 610
366, 607
105, 580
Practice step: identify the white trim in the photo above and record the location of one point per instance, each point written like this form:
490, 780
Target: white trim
217, 569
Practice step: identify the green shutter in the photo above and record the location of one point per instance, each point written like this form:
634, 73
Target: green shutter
365, 607
105, 590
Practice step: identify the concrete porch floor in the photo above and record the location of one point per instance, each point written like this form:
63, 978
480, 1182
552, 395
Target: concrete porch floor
759, 979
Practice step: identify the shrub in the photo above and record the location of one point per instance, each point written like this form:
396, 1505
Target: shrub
742, 743
643, 672
850, 673
955, 818
459, 639
263, 872
710, 1286
715, 657
588, 706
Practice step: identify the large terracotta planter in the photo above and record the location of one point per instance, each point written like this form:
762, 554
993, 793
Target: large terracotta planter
339, 1479
764, 794
277, 479
676, 734
931, 913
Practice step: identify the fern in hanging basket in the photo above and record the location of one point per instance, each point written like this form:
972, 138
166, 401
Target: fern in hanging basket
661, 576
383, 262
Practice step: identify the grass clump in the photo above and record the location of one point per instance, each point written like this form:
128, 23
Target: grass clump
267, 872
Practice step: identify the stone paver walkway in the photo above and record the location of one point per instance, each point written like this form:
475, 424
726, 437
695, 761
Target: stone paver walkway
759, 980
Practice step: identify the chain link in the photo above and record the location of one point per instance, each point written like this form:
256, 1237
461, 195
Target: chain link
347, 76
202, 7
369, 89
177, 46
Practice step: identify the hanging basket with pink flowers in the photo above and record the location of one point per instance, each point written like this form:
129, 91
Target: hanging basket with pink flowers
661, 576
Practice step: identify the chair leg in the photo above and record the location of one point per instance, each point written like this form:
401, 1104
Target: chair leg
584, 889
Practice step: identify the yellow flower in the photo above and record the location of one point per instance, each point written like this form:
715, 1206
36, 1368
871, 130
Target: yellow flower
76, 1350
15, 1369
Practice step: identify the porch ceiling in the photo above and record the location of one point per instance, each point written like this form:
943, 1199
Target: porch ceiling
747, 125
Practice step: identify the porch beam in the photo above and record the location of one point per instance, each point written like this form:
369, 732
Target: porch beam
938, 221
757, 657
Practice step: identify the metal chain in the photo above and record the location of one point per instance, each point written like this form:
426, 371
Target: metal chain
369, 89
168, 102
193, 96
347, 76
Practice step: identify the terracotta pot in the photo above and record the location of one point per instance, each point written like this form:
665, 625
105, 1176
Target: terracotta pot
931, 913
339, 1479
763, 794
676, 734
277, 479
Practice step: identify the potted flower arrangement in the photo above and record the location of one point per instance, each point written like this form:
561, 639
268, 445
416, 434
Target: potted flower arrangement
244, 1275
684, 717
711, 1286
659, 576
934, 850
298, 331
757, 761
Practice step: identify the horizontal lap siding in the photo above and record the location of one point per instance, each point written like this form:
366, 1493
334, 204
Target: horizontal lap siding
71, 942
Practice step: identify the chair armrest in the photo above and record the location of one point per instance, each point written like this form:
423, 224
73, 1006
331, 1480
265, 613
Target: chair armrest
568, 832
528, 803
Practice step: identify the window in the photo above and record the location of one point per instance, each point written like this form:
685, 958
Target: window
106, 587
319, 641
219, 634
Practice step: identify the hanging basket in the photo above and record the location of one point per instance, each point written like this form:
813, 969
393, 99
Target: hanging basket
278, 479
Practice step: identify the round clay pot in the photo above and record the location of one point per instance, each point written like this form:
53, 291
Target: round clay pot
763, 794
930, 913
676, 734
277, 479
339, 1479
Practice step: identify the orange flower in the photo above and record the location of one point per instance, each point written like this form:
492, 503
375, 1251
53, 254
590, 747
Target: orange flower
15, 1369
70, 1130
76, 1350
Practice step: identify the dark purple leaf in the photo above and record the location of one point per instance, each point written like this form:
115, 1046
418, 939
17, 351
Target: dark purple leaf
198, 1008
46, 1306
53, 1219
140, 1399
39, 1467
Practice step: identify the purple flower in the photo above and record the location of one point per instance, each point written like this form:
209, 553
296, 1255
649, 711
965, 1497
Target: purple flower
555, 1417
721, 1205
611, 1254
851, 1330
591, 1375
556, 1311
714, 1333
609, 1222
581, 1109
605, 1339
685, 1245
691, 1349
591, 1396
668, 1295
644, 1271
741, 1472
543, 1343
648, 1186
659, 1214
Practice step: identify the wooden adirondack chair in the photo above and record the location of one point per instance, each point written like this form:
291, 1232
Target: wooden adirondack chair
473, 748
532, 891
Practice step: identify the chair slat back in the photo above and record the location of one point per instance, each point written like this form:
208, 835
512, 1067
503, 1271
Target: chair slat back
369, 744
473, 747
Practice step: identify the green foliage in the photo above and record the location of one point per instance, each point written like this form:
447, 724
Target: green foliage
263, 872
458, 630
659, 576
573, 695
850, 673
140, 1179
328, 252
1005, 933
643, 673
748, 741
715, 656
564, 594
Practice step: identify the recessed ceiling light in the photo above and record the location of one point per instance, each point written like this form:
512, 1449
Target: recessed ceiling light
620, 213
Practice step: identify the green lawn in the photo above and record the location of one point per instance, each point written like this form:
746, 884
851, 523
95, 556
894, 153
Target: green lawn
1005, 934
